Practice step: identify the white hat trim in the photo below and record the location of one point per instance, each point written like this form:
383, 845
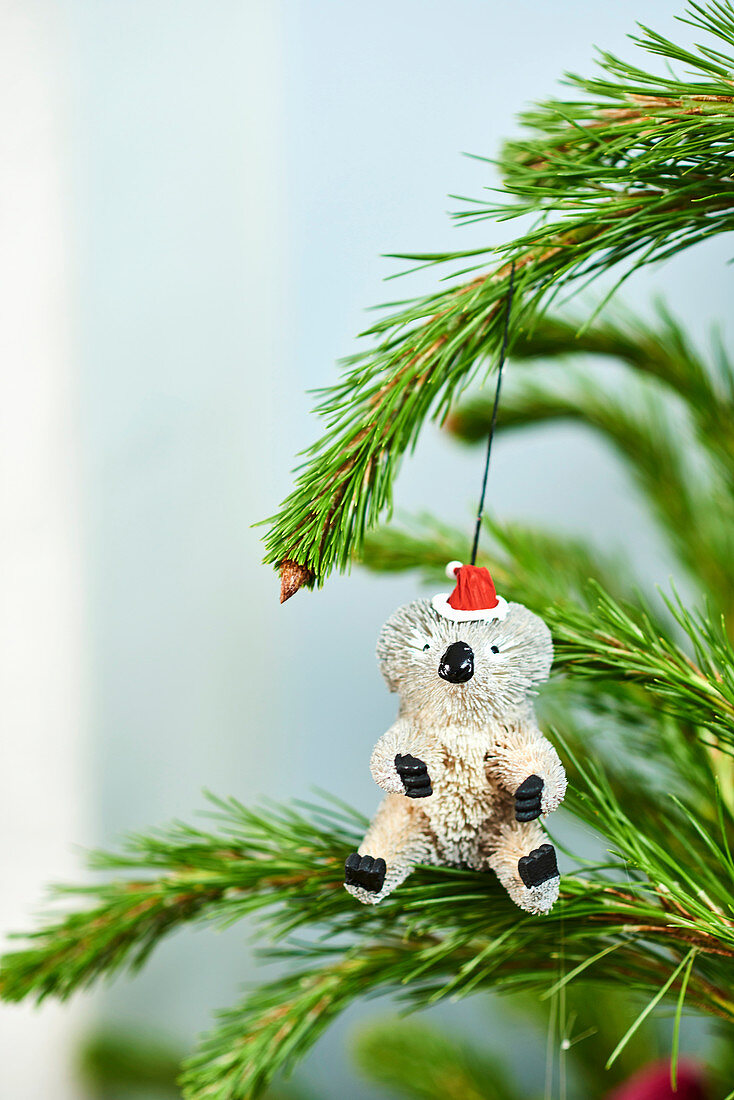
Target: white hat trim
442, 605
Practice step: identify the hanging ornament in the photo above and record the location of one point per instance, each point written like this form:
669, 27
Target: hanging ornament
467, 771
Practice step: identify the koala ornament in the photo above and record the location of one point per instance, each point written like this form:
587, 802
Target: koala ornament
467, 772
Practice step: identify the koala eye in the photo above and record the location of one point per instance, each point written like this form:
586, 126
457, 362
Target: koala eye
426, 646
494, 649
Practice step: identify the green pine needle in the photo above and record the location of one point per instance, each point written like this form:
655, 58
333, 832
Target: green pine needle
649, 1008
675, 1044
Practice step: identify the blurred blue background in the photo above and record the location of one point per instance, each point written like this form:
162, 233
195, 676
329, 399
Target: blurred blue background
222, 179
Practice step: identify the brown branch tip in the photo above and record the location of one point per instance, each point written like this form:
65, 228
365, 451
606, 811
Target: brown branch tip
292, 577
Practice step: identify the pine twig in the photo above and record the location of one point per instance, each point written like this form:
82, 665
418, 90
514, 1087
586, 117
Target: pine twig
637, 168
448, 932
673, 429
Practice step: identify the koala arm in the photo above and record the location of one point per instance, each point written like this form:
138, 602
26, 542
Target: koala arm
522, 757
403, 740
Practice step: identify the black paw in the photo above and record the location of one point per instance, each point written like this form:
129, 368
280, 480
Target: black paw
365, 871
527, 799
414, 774
539, 866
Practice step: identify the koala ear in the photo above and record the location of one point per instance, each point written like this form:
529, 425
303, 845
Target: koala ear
531, 635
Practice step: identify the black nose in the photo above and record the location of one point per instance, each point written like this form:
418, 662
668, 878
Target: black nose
457, 663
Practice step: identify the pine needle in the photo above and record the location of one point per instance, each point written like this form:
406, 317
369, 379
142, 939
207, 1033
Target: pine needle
647, 1010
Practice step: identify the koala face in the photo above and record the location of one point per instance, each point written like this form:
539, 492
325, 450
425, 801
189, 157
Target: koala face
463, 672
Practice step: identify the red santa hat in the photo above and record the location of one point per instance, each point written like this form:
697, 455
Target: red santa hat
474, 598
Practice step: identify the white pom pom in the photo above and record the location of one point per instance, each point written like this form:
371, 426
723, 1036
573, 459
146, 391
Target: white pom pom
452, 569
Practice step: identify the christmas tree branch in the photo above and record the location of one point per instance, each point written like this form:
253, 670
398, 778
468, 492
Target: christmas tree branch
428, 940
659, 350
248, 864
692, 504
434, 944
683, 408
635, 423
637, 168
270, 1030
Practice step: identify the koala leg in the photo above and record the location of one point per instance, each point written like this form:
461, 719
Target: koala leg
525, 864
398, 838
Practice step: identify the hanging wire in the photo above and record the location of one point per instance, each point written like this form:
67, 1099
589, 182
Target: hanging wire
503, 352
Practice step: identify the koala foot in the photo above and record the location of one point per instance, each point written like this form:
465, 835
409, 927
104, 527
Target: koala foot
414, 774
365, 872
539, 874
527, 799
539, 866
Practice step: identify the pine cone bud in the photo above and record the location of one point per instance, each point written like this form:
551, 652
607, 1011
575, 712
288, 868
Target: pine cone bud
292, 577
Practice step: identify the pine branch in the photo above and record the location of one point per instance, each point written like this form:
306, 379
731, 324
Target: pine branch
273, 1027
659, 350
623, 643
270, 1031
690, 500
119, 932
447, 932
637, 168
246, 866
